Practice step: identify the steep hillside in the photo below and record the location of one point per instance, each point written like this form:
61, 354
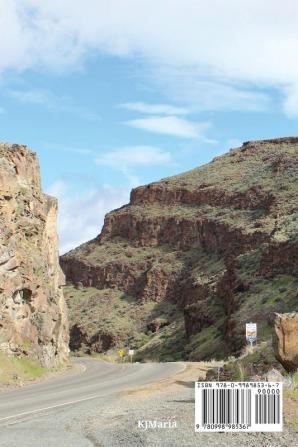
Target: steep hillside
193, 258
33, 319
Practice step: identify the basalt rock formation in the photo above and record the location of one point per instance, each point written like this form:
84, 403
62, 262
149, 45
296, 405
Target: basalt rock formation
219, 243
285, 340
33, 316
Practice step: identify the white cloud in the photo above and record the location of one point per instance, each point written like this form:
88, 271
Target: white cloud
155, 109
170, 125
231, 143
133, 156
207, 93
291, 102
63, 148
57, 189
242, 46
81, 219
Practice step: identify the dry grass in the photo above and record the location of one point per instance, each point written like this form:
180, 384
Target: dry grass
252, 190
17, 370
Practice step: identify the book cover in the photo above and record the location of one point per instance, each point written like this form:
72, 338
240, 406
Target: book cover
148, 223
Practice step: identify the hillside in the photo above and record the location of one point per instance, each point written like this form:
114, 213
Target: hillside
179, 270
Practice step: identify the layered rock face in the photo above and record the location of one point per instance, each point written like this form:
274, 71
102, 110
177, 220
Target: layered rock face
33, 315
220, 241
285, 340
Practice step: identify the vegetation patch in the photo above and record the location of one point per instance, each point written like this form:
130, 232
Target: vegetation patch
124, 321
215, 245
16, 370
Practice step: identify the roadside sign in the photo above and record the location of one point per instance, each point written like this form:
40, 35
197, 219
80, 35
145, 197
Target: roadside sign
131, 353
251, 332
121, 354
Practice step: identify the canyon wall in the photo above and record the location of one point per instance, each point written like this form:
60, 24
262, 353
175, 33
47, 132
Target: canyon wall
33, 315
220, 241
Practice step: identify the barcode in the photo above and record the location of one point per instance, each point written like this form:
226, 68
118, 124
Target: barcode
267, 409
238, 406
227, 407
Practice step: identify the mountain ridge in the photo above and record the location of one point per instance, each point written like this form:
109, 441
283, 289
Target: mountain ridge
217, 242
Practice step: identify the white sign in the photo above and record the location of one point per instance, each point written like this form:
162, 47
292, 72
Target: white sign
131, 352
251, 332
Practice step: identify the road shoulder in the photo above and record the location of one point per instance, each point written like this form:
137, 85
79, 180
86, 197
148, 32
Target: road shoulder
162, 413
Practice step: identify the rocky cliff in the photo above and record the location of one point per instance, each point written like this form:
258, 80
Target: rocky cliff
205, 251
33, 317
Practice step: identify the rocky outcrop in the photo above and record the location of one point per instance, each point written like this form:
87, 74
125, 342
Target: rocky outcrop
80, 337
220, 241
285, 340
143, 279
182, 232
33, 316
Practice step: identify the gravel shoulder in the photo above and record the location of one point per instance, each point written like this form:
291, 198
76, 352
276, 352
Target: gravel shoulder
169, 400
113, 420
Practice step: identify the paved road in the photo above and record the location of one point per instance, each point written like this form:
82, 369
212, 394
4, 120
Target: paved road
85, 410
96, 380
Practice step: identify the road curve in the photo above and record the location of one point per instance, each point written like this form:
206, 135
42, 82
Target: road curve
96, 379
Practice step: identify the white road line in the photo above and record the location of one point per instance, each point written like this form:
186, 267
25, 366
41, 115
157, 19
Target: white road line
94, 396
51, 407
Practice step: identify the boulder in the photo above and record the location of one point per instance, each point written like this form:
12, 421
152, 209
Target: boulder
285, 340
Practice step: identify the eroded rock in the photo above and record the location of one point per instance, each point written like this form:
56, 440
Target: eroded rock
33, 316
219, 241
285, 340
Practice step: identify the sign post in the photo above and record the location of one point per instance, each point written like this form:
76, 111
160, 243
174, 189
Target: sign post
131, 353
251, 333
121, 354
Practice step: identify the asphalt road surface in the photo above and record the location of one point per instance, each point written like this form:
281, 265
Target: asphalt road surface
54, 412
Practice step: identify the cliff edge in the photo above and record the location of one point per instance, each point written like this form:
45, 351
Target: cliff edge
33, 316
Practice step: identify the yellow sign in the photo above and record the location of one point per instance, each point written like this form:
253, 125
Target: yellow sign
121, 353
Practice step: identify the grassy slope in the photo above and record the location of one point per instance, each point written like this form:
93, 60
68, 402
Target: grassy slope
15, 370
110, 311
270, 168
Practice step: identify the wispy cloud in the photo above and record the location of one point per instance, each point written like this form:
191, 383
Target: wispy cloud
124, 159
155, 109
52, 102
290, 106
80, 112
207, 91
64, 148
171, 125
32, 97
57, 189
133, 156
60, 34
85, 215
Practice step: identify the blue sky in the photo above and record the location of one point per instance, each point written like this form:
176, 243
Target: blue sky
121, 94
